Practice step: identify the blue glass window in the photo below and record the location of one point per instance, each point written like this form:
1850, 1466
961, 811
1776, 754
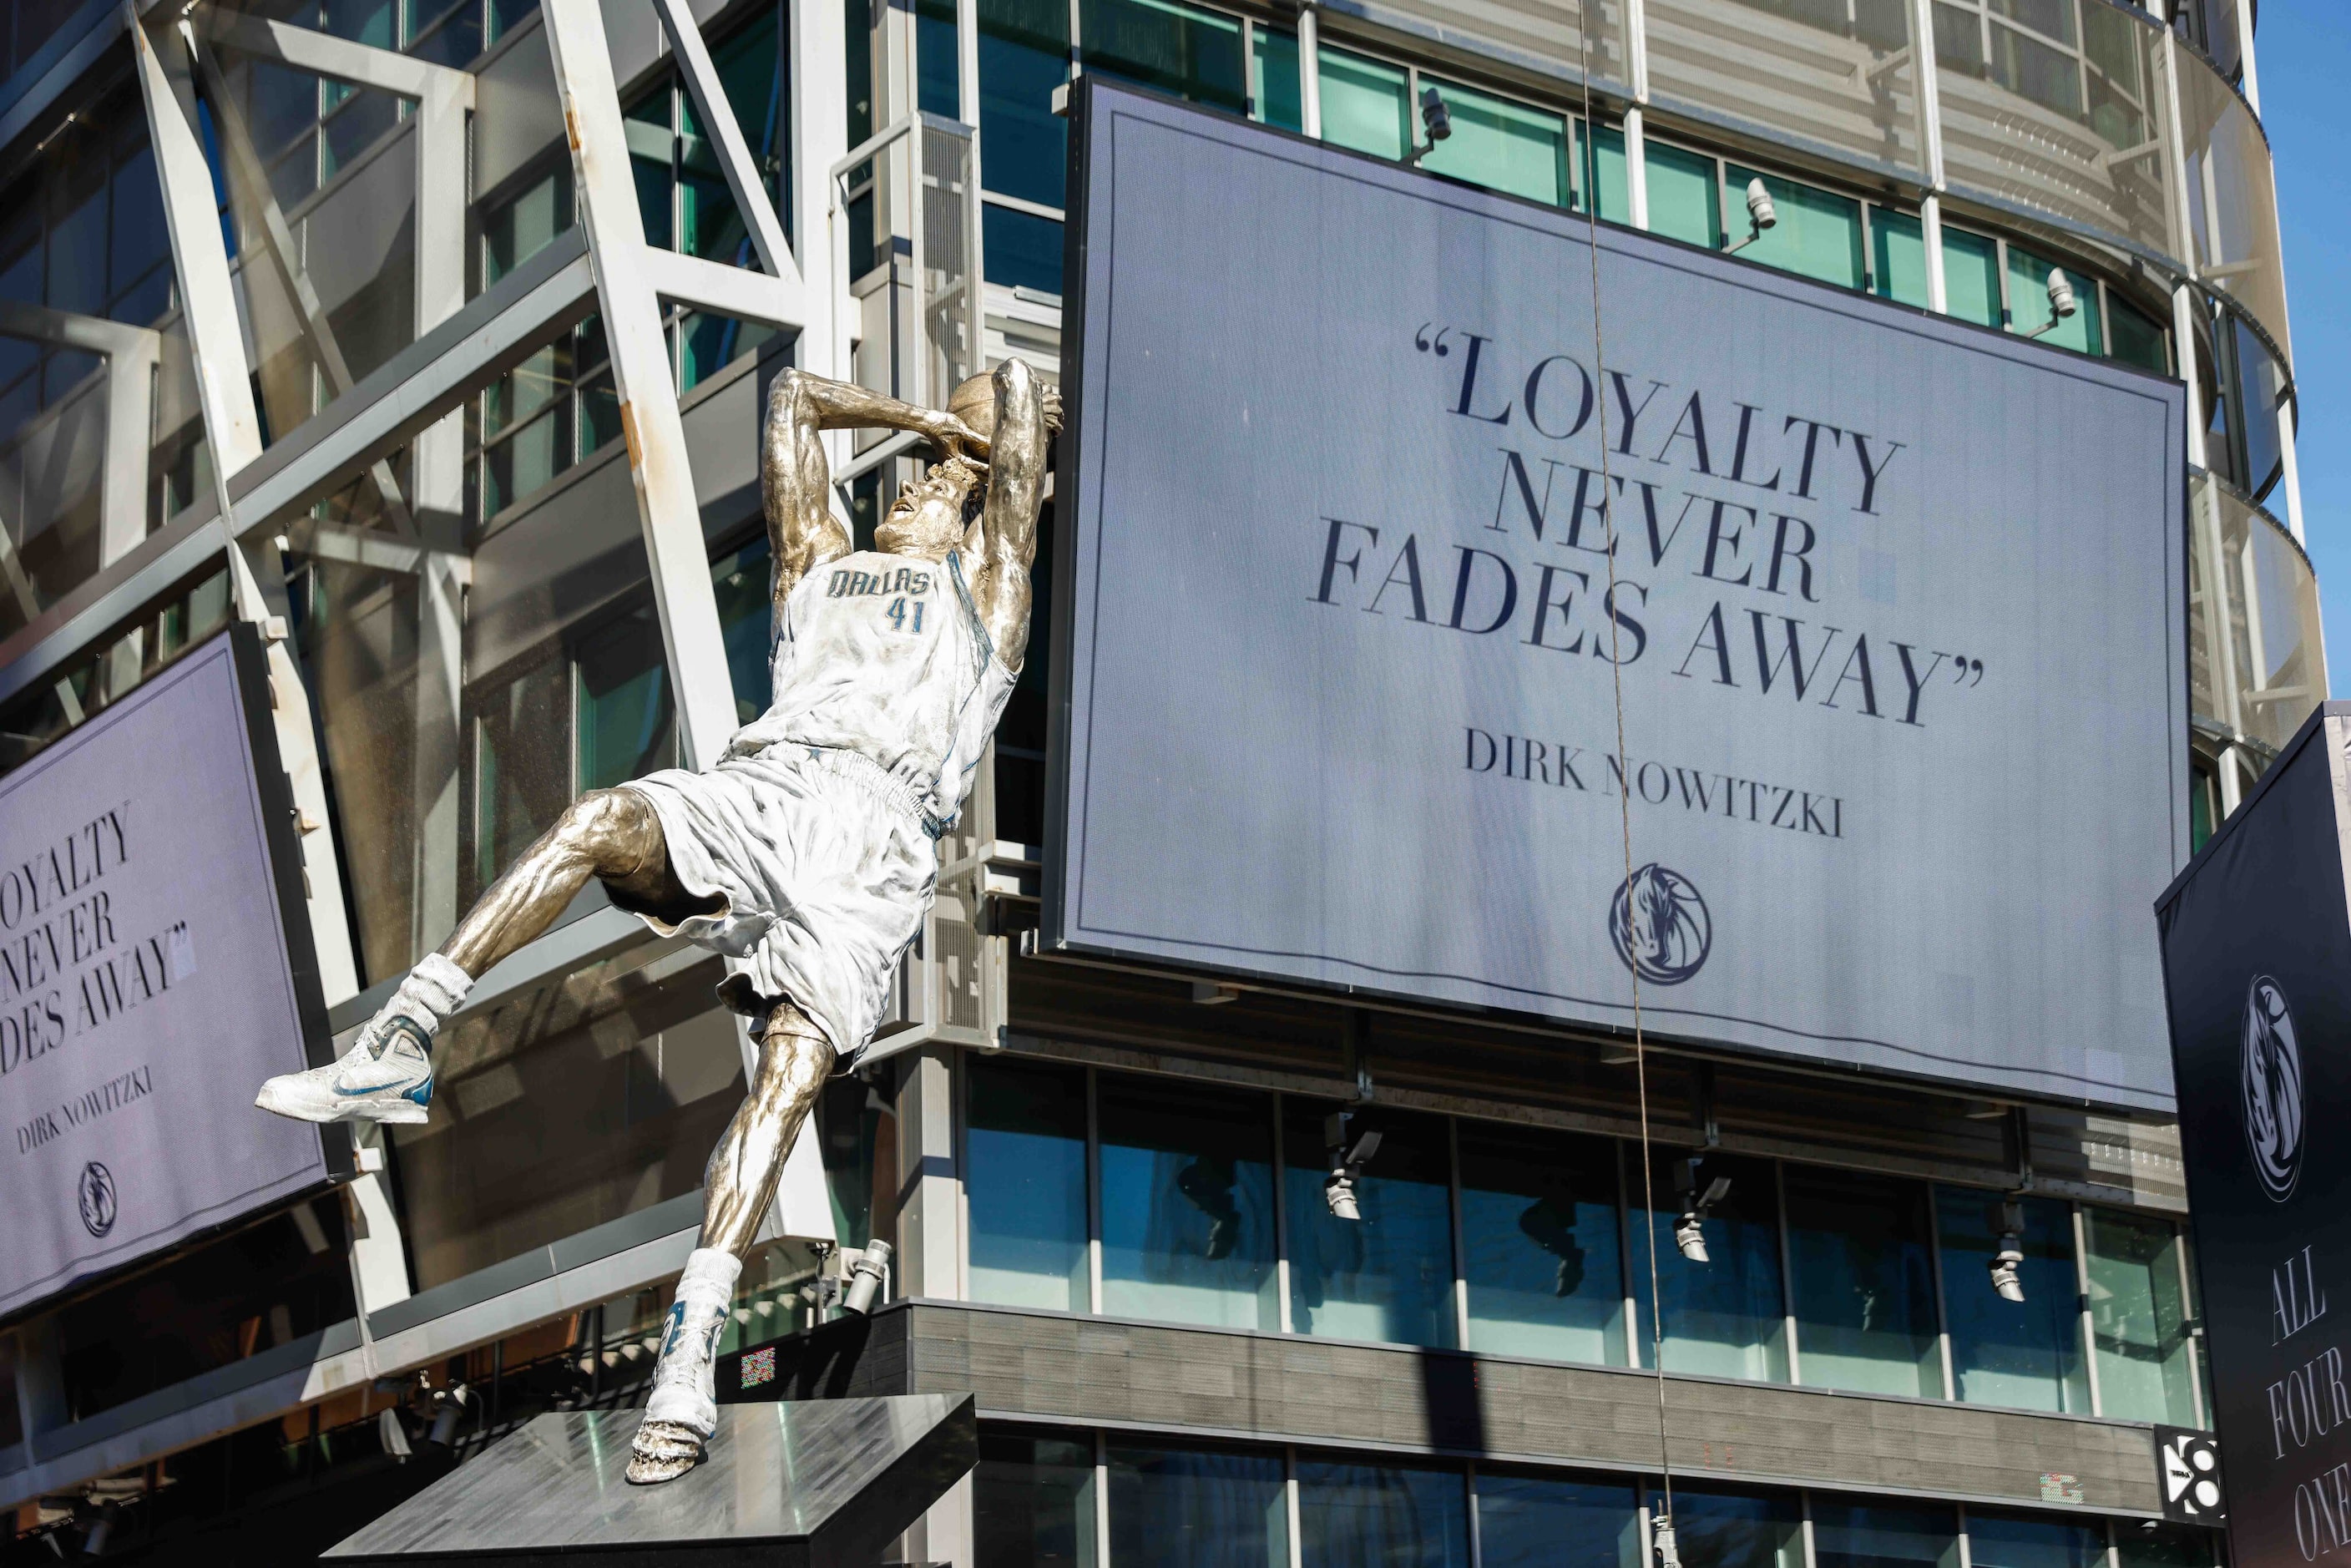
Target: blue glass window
1542, 1521
1539, 1247
1725, 1317
1025, 1148
1196, 1508
2026, 1354
1873, 1535
1395, 1516
1862, 1279
1187, 1212
1389, 1275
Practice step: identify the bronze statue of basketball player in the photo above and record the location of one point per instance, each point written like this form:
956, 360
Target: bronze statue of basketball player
808, 853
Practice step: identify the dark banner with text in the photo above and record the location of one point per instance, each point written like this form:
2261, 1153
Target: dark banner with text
1367, 529
2257, 970
154, 968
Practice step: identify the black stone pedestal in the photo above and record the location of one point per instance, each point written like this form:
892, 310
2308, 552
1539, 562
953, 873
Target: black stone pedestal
822, 1483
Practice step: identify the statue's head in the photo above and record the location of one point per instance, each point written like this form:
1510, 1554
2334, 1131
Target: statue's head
932, 515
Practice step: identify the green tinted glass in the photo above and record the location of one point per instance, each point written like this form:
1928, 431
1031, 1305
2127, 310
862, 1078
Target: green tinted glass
2029, 308
1365, 105
1683, 196
1972, 276
1818, 233
1501, 145
1277, 80
1193, 54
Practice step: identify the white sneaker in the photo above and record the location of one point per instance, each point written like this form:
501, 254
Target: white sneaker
683, 1410
386, 1077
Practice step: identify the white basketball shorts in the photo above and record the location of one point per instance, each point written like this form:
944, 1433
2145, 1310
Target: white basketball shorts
826, 868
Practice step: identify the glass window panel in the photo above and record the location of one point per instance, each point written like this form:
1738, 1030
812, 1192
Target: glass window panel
2138, 1318
522, 766
454, 42
1604, 172
2028, 309
2262, 387
137, 239
1191, 54
2010, 1541
541, 379
77, 203
1381, 1516
1959, 38
653, 200
1862, 1282
1026, 1147
743, 582
1277, 80
2026, 1354
1187, 1203
525, 225
1530, 1521
1196, 1508
1365, 105
2155, 1545
1818, 234
937, 88
1972, 276
626, 724
2136, 337
525, 462
2032, 69
1876, 1535
1024, 47
1898, 257
1023, 251
1032, 1502
1540, 1245
1389, 1275
354, 128
1502, 145
708, 344
1684, 196
1725, 1317
1716, 1529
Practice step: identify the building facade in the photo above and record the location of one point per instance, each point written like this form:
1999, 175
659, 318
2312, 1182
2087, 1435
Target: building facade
313, 317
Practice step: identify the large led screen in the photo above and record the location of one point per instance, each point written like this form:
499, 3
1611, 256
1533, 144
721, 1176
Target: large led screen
154, 968
1895, 608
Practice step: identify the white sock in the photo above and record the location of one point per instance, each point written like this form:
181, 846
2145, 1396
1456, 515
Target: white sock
684, 1380
433, 990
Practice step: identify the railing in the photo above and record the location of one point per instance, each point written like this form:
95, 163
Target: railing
2256, 662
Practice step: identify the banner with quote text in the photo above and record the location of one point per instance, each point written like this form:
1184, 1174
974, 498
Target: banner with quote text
1366, 524
154, 967
2257, 973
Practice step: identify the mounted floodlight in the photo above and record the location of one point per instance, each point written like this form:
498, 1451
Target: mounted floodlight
1761, 215
449, 1406
1689, 1228
2008, 1255
2061, 302
1346, 1164
1436, 118
1661, 1534
865, 1279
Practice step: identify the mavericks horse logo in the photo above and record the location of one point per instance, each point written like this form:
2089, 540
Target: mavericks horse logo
97, 1201
1660, 925
2270, 1079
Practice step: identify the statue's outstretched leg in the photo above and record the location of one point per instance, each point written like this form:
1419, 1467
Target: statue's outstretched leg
387, 1076
683, 1411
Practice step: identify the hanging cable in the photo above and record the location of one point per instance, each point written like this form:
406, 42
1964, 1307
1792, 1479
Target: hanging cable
1661, 1542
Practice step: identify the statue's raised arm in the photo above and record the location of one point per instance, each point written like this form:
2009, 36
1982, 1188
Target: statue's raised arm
797, 481
1018, 421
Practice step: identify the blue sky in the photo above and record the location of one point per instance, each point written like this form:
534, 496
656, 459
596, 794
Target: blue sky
2302, 53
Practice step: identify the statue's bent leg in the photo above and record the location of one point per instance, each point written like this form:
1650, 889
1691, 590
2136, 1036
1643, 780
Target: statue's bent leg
795, 1057
387, 1076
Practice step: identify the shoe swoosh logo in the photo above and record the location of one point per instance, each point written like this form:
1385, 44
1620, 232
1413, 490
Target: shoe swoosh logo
379, 1089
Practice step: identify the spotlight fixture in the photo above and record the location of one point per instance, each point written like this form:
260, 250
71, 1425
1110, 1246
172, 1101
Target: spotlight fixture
1436, 118
1346, 1163
2008, 1254
1761, 215
865, 1279
1661, 1535
1690, 1231
2061, 302
448, 1409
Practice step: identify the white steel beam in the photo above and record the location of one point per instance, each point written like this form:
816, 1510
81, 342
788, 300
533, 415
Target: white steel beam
232, 433
606, 196
728, 290
131, 354
323, 54
744, 178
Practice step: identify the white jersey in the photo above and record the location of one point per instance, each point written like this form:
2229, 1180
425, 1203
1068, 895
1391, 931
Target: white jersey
885, 656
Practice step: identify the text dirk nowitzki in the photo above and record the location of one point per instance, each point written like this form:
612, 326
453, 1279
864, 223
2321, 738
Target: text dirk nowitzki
1702, 791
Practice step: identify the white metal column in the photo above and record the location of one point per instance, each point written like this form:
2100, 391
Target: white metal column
233, 434
1310, 70
1929, 99
606, 197
1636, 151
